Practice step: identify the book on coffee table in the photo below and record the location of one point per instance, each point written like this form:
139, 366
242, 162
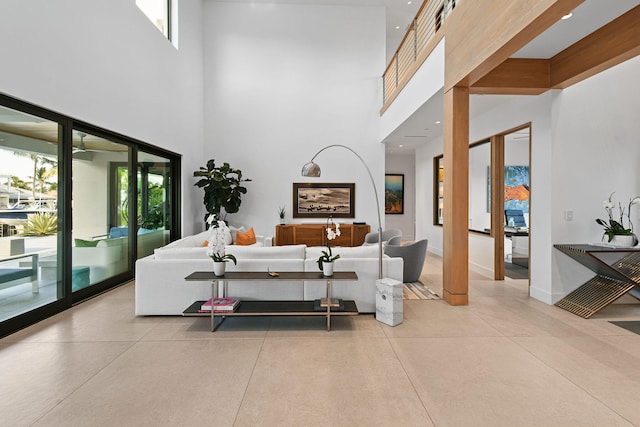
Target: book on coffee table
220, 305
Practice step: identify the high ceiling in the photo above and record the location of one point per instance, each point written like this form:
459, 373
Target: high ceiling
588, 17
422, 126
399, 14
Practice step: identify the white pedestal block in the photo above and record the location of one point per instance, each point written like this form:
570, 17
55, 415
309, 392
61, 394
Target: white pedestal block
389, 301
10, 246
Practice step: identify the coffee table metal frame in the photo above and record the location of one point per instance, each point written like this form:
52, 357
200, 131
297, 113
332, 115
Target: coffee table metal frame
274, 308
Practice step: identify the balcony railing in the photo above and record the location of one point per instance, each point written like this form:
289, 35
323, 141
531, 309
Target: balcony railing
415, 46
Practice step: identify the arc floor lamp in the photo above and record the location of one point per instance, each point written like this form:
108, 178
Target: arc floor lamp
312, 169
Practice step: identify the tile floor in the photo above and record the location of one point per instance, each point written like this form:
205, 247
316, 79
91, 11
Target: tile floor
504, 360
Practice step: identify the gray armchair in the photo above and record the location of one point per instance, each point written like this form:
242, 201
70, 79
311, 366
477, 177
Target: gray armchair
372, 238
413, 255
395, 241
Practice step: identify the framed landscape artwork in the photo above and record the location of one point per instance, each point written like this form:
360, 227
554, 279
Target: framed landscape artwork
394, 194
320, 200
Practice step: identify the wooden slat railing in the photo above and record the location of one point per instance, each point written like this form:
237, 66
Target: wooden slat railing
429, 19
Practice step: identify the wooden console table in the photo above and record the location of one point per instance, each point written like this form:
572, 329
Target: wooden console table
275, 308
610, 282
316, 235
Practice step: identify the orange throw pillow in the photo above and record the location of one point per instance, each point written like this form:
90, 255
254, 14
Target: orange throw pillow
246, 238
205, 244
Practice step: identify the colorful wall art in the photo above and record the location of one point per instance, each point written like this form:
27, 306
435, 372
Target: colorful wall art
516, 188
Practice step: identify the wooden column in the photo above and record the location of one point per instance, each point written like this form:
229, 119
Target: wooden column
497, 205
456, 197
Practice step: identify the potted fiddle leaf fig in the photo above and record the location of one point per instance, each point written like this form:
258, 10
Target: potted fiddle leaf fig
222, 187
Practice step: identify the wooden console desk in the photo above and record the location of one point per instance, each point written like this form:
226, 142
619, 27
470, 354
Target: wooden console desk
316, 235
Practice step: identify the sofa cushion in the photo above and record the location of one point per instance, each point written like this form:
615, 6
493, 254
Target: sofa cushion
267, 252
80, 243
195, 241
245, 239
181, 253
105, 243
256, 251
234, 230
315, 252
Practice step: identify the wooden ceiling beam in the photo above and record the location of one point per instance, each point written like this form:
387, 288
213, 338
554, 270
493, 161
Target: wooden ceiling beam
515, 76
610, 45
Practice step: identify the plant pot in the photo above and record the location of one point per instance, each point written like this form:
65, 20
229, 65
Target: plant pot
218, 268
327, 268
282, 221
624, 241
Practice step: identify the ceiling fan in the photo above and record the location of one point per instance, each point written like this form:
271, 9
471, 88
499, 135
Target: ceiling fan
81, 148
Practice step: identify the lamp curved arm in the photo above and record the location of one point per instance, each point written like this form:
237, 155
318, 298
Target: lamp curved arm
375, 192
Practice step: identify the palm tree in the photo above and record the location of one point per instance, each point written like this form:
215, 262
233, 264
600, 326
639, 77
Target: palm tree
37, 160
17, 182
43, 174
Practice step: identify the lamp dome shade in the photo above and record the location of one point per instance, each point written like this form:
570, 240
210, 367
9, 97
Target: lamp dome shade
311, 169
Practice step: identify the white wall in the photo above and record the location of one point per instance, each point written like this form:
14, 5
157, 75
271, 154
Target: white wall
424, 196
281, 82
596, 124
584, 146
105, 63
403, 164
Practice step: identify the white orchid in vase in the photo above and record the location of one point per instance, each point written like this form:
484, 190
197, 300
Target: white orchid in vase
218, 231
327, 256
617, 227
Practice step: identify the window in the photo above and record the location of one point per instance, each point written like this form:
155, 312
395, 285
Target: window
159, 12
69, 227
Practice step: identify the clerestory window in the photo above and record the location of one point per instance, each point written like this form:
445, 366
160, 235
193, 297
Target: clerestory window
159, 12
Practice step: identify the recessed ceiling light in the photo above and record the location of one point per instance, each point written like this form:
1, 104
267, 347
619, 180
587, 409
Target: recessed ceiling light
438, 122
408, 2
567, 16
397, 27
400, 145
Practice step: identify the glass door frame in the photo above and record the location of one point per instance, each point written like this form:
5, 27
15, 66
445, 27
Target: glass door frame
66, 126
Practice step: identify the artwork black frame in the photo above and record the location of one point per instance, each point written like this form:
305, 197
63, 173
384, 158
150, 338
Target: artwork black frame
320, 200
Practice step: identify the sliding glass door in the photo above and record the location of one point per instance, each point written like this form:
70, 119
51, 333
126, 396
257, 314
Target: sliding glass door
100, 246
78, 205
154, 202
30, 235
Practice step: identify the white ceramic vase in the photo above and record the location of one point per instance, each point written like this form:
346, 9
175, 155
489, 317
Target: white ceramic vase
218, 268
623, 241
327, 268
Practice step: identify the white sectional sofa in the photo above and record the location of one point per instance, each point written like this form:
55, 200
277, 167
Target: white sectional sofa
162, 290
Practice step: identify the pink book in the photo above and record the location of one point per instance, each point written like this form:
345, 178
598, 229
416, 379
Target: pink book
221, 304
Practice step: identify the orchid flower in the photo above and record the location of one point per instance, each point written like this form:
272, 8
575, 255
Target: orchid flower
327, 256
217, 242
617, 228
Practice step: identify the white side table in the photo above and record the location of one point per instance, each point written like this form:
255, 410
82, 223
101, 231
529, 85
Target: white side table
389, 309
